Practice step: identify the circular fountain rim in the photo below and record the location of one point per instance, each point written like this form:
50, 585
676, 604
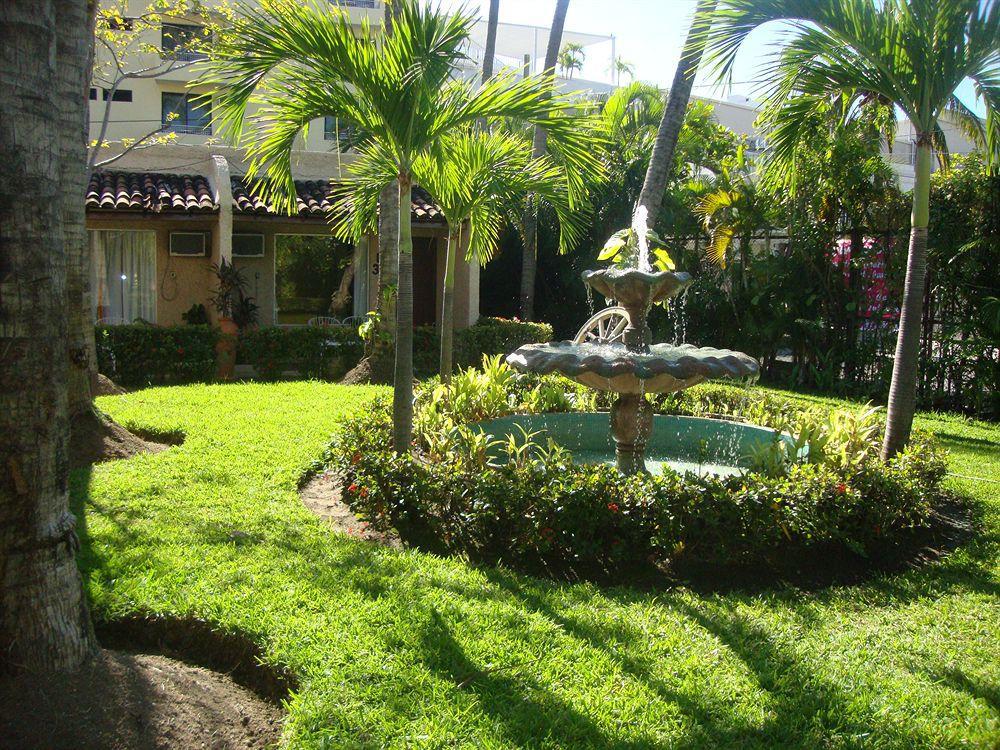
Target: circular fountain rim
585, 436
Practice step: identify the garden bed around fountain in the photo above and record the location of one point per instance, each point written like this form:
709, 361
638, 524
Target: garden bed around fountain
535, 506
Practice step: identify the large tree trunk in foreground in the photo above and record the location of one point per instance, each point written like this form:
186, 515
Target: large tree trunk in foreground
75, 55
402, 378
903, 389
448, 302
44, 623
529, 256
673, 115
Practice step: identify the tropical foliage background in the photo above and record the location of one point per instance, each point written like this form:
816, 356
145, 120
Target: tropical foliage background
789, 287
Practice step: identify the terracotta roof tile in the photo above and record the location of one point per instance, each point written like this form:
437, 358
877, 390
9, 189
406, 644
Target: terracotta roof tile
315, 198
111, 190
145, 191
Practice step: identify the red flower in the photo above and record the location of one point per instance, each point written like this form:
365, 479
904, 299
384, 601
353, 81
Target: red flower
364, 492
841, 489
352, 488
180, 349
613, 507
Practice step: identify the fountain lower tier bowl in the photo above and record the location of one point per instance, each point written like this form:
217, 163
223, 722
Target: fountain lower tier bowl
614, 368
684, 444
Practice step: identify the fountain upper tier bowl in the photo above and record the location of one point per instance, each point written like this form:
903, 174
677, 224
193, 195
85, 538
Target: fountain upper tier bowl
635, 288
614, 367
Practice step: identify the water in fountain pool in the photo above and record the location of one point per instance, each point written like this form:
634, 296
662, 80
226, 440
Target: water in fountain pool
683, 444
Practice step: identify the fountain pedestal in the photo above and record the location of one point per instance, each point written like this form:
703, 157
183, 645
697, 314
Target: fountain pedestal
631, 426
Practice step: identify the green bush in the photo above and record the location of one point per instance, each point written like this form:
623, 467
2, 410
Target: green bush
538, 510
312, 352
487, 336
140, 354
543, 513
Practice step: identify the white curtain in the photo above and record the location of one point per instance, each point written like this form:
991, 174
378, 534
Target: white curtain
123, 275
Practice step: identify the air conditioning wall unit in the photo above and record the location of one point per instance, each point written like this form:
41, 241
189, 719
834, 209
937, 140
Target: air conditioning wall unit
248, 245
189, 244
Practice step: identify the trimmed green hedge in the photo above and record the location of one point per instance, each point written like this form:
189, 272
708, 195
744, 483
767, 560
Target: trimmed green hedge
140, 354
487, 336
322, 353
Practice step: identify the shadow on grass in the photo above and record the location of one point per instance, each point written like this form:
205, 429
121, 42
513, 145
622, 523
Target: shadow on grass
527, 714
802, 709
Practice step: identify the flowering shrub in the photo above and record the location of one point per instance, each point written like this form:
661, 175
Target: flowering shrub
541, 512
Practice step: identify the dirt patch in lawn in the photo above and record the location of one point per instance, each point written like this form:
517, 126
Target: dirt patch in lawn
95, 437
321, 494
126, 701
105, 386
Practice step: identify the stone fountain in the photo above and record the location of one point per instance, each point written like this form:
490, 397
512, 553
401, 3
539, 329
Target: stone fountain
633, 367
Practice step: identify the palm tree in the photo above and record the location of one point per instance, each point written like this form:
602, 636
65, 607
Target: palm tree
300, 62
529, 253
477, 179
571, 58
912, 55
44, 623
620, 66
673, 115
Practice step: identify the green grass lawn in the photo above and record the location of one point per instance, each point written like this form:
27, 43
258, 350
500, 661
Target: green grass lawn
404, 649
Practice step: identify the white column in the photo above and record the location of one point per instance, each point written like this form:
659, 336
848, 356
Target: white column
222, 191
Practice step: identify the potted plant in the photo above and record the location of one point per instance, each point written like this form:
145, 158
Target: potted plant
228, 299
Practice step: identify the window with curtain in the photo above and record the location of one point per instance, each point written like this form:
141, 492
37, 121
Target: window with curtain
123, 276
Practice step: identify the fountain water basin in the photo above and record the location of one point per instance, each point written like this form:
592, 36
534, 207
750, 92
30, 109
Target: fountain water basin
683, 444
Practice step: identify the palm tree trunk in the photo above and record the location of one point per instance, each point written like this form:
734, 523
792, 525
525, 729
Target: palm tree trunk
448, 301
381, 358
489, 51
44, 623
388, 282
903, 387
673, 115
529, 256
402, 393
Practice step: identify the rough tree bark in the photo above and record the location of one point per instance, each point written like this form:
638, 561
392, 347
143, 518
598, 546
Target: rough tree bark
673, 115
75, 54
44, 623
903, 387
529, 255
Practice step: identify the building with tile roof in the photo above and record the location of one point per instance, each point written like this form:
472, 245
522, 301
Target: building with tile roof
159, 215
